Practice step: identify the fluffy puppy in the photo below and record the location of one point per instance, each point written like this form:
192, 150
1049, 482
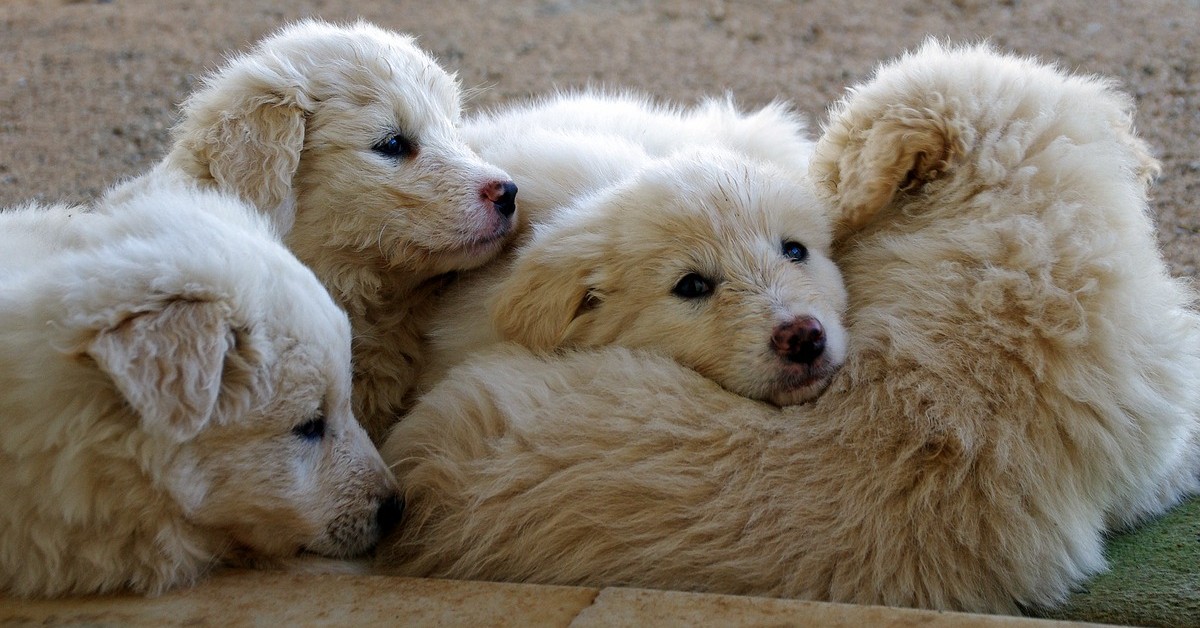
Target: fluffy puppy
706, 256
345, 136
176, 392
671, 230
1023, 375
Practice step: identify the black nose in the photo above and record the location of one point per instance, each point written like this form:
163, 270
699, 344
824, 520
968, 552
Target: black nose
389, 514
506, 203
800, 341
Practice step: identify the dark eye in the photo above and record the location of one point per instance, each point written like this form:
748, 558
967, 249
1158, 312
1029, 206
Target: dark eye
311, 430
396, 146
795, 251
692, 286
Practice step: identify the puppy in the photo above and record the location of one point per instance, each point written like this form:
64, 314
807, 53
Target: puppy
673, 231
1022, 376
346, 138
176, 394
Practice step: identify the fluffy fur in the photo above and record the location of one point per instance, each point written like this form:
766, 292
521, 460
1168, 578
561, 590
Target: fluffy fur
176, 391
629, 199
300, 126
571, 144
1023, 375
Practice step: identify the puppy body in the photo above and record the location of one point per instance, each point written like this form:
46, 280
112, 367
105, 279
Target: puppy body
623, 199
346, 137
1022, 376
158, 353
575, 143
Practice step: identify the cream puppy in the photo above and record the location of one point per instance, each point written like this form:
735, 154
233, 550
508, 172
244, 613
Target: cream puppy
347, 138
176, 394
680, 231
705, 256
1022, 377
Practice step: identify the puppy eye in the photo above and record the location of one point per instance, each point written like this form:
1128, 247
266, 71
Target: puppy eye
311, 430
795, 251
396, 146
692, 286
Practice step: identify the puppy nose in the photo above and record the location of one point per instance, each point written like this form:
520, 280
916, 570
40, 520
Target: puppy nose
801, 341
389, 514
503, 195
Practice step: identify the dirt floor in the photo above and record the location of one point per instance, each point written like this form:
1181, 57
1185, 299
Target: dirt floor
89, 89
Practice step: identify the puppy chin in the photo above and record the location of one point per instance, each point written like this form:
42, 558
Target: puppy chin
466, 252
794, 389
488, 246
473, 253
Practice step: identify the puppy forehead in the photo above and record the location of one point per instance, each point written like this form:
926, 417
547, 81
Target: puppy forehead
405, 74
310, 375
306, 322
725, 203
372, 69
322, 331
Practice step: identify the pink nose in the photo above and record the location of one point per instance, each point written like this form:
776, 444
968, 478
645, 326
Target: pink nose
800, 341
502, 194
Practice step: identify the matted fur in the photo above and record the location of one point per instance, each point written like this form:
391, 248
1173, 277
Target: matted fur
1023, 375
156, 353
626, 198
290, 126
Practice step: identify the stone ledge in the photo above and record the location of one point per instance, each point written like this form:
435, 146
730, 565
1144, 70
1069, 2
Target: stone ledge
277, 598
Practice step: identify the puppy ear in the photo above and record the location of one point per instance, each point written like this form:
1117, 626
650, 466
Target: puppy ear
865, 158
245, 134
167, 363
545, 291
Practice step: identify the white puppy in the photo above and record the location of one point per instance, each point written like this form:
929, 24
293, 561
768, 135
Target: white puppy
346, 136
682, 232
176, 390
1022, 376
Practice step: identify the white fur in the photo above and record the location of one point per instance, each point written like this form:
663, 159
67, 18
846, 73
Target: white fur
623, 198
290, 126
1023, 375
570, 144
156, 353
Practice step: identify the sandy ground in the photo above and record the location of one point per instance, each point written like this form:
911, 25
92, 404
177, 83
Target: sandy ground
89, 89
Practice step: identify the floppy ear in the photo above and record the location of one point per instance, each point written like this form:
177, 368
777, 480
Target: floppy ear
245, 134
168, 363
865, 158
547, 288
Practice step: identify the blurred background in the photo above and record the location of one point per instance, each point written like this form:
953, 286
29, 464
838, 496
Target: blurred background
89, 89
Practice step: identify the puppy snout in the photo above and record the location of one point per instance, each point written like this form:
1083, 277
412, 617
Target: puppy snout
389, 514
800, 341
503, 195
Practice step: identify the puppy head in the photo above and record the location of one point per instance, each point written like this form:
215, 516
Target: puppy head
237, 365
294, 470
346, 137
941, 124
716, 261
